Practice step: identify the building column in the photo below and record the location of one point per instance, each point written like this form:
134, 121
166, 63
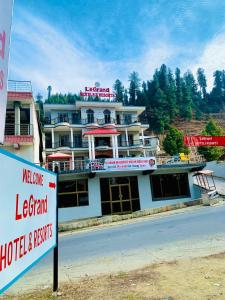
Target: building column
116, 147
113, 146
71, 137
127, 141
31, 125
53, 138
93, 146
142, 135
89, 147
17, 117
73, 164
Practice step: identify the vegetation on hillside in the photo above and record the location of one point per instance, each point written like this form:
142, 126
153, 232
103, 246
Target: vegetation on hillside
212, 153
168, 95
173, 143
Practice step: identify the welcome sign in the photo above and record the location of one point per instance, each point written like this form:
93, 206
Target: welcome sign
27, 216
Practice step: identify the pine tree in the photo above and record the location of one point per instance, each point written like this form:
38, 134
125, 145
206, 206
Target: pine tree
119, 90
173, 143
202, 83
134, 89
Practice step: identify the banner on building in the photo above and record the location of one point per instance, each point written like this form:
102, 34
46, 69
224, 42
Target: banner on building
27, 216
200, 140
123, 164
5, 30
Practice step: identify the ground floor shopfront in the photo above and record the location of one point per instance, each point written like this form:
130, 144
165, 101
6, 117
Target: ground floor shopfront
93, 195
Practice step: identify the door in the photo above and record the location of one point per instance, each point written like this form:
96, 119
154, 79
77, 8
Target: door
119, 195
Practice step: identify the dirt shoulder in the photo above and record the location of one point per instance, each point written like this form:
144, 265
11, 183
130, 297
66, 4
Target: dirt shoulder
198, 278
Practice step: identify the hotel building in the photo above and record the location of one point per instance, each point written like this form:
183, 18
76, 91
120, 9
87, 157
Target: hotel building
83, 138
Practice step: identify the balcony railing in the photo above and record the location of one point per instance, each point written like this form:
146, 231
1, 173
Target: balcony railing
19, 86
18, 129
99, 143
83, 166
78, 121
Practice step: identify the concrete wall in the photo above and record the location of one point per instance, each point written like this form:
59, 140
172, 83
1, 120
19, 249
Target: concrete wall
26, 152
82, 212
145, 194
218, 168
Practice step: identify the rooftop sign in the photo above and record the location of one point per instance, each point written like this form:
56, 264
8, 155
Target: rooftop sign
97, 92
5, 29
27, 216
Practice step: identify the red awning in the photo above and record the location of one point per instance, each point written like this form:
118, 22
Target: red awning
58, 155
102, 131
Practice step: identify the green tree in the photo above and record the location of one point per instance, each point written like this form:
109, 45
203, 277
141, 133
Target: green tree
212, 152
173, 143
119, 90
202, 82
134, 89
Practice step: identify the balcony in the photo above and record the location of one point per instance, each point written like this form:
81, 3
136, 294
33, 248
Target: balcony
19, 90
67, 144
83, 166
100, 143
104, 121
18, 129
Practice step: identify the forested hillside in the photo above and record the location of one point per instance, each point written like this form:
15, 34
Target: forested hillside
169, 96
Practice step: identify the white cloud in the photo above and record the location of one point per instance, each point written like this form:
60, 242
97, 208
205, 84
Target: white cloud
212, 58
45, 56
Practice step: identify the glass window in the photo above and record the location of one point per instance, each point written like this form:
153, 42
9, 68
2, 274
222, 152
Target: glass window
167, 186
73, 193
107, 116
90, 116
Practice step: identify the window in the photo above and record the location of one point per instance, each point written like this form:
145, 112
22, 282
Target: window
63, 117
107, 116
76, 117
77, 140
127, 119
73, 193
130, 139
64, 141
169, 186
48, 140
90, 116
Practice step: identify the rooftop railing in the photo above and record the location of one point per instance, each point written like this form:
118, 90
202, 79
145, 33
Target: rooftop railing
83, 166
104, 121
19, 86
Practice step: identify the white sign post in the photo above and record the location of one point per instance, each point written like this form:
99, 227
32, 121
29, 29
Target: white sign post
27, 216
5, 29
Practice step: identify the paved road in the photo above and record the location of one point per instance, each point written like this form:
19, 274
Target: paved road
133, 245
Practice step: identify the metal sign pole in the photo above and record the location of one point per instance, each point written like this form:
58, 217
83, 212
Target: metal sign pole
56, 250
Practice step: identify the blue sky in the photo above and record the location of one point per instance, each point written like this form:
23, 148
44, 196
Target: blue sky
73, 43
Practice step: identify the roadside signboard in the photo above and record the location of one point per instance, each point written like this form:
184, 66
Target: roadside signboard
27, 216
5, 29
200, 140
123, 164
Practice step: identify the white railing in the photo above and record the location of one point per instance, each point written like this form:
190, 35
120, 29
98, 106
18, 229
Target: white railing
82, 166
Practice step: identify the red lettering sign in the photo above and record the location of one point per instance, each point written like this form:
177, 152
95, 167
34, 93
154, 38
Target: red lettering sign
199, 140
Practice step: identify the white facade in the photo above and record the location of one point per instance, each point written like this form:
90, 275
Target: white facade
22, 136
66, 126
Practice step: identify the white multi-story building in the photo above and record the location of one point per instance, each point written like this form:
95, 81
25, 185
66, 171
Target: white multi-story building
22, 134
99, 148
91, 130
